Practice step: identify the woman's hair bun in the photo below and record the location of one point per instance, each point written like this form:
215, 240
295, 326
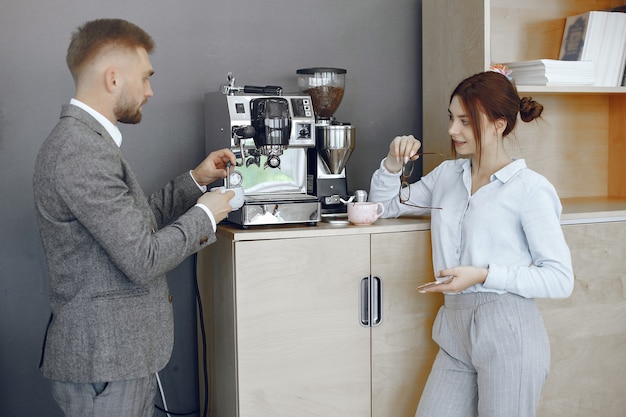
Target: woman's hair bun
529, 109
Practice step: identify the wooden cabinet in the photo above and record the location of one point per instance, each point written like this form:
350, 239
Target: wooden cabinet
580, 143
588, 330
282, 314
402, 348
282, 319
580, 146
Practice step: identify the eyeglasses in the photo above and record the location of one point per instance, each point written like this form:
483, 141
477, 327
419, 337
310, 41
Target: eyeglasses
405, 191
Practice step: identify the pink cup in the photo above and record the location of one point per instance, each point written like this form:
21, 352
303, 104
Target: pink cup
364, 213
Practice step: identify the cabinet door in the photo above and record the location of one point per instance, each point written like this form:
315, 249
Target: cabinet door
402, 347
300, 347
588, 330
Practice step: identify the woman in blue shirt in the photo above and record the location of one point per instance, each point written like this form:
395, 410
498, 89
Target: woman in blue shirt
497, 244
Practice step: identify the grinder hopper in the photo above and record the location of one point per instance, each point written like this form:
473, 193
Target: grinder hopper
335, 143
335, 140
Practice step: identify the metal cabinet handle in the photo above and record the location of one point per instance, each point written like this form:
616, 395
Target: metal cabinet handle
364, 302
376, 301
370, 301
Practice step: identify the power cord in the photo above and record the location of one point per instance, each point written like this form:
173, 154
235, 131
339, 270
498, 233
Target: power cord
165, 409
162, 395
205, 372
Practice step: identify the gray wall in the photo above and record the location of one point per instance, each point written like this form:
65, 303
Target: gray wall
198, 42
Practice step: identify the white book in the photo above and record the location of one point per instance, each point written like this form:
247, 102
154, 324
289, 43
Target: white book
582, 39
597, 36
619, 49
553, 72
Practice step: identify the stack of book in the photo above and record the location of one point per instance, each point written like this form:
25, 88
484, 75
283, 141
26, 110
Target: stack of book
553, 72
600, 37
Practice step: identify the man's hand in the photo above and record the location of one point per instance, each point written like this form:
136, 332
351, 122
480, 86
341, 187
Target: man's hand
214, 167
218, 203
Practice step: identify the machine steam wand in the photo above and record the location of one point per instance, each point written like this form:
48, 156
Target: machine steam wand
231, 89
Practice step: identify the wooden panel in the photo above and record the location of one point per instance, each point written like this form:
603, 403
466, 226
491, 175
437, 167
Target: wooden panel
216, 285
588, 330
301, 349
568, 144
453, 47
526, 30
617, 146
533, 29
402, 348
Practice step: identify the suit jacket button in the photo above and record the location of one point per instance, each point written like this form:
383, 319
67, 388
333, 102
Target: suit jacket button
204, 240
169, 298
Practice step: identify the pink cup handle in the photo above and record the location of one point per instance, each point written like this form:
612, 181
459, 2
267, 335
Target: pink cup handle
381, 210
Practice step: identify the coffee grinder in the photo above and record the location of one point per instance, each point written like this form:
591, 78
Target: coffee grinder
334, 141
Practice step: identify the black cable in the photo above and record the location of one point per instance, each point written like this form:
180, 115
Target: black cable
173, 413
205, 373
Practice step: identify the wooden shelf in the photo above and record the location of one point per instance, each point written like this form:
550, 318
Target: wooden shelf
579, 143
593, 210
570, 90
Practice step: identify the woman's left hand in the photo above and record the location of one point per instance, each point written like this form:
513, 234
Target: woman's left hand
463, 277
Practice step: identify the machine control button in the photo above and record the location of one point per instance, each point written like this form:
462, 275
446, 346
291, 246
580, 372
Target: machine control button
332, 199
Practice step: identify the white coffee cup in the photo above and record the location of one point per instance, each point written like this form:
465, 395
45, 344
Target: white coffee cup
365, 213
237, 201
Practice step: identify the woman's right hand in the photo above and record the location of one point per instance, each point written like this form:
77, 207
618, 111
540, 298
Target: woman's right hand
402, 149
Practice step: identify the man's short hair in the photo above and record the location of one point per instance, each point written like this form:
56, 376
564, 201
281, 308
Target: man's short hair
91, 37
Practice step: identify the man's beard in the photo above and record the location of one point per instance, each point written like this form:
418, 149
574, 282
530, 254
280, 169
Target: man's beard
127, 112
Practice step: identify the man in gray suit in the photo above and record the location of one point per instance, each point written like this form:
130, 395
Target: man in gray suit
107, 245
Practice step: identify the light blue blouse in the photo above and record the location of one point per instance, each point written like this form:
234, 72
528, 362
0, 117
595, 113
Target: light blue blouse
511, 225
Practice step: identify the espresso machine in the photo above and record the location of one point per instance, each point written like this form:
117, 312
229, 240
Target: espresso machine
269, 132
335, 140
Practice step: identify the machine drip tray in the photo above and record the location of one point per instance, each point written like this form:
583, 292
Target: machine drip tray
277, 209
284, 198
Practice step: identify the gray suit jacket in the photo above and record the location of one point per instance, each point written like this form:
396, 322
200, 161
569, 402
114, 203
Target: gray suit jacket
107, 249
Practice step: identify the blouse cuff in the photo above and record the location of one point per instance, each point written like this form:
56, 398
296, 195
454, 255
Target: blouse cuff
386, 171
496, 278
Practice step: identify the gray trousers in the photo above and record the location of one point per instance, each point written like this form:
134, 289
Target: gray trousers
129, 398
493, 359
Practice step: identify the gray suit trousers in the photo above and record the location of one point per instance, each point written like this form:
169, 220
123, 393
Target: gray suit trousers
127, 398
